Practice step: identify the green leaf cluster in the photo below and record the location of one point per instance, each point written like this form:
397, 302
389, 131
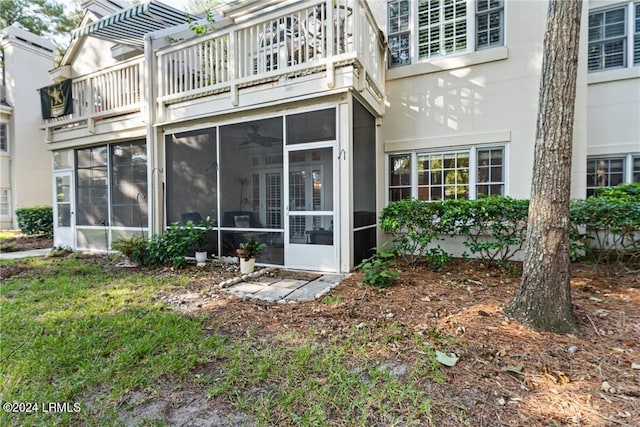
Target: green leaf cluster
494, 227
414, 225
603, 229
36, 220
168, 248
42, 17
378, 269
251, 249
607, 228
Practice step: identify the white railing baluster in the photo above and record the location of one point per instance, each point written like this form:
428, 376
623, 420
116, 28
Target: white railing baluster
301, 38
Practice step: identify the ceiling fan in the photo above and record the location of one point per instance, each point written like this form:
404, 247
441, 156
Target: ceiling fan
256, 138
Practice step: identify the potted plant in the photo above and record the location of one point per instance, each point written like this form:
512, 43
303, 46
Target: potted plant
248, 252
197, 236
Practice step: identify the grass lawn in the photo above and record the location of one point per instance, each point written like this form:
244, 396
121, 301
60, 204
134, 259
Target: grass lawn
73, 329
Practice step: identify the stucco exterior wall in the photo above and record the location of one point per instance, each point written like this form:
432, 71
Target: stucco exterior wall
613, 108
92, 54
487, 97
27, 62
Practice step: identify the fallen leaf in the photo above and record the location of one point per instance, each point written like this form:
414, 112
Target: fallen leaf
447, 359
635, 365
606, 387
516, 369
596, 299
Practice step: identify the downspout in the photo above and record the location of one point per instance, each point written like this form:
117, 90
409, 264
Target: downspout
149, 103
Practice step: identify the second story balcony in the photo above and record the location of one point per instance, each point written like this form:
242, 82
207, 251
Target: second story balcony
306, 38
312, 46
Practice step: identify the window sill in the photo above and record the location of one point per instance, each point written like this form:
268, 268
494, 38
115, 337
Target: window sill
613, 75
449, 63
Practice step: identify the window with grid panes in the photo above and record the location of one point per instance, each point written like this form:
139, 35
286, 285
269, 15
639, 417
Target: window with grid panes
399, 177
447, 175
425, 29
490, 172
3, 137
4, 202
399, 16
636, 169
489, 25
442, 27
443, 176
614, 37
604, 172
607, 39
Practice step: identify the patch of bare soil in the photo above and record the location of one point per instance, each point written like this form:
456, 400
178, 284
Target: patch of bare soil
22, 242
506, 375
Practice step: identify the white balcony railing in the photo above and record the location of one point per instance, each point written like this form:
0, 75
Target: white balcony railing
110, 92
294, 40
300, 39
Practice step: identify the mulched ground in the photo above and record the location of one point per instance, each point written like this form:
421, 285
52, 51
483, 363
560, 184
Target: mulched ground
506, 375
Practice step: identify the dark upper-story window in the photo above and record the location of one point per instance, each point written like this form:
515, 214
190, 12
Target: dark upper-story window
4, 140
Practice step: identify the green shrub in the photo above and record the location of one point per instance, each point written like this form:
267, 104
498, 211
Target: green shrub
603, 229
414, 225
623, 192
36, 220
495, 227
606, 228
378, 269
437, 258
170, 247
134, 248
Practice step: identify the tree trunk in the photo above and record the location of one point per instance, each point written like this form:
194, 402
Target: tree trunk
543, 300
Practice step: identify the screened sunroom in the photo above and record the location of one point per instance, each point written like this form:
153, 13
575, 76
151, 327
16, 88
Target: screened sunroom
284, 179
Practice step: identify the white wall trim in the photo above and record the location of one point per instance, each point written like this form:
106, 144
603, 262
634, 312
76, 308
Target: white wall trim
444, 141
447, 63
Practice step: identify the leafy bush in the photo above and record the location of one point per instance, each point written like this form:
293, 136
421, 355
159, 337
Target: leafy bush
36, 220
414, 225
603, 229
495, 227
622, 192
377, 269
437, 258
168, 248
606, 228
134, 248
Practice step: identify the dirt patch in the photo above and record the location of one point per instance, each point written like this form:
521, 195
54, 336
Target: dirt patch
22, 242
506, 374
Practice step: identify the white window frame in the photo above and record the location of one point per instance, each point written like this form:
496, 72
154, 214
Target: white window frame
4, 137
5, 203
471, 36
488, 12
631, 37
627, 169
473, 169
635, 46
633, 170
